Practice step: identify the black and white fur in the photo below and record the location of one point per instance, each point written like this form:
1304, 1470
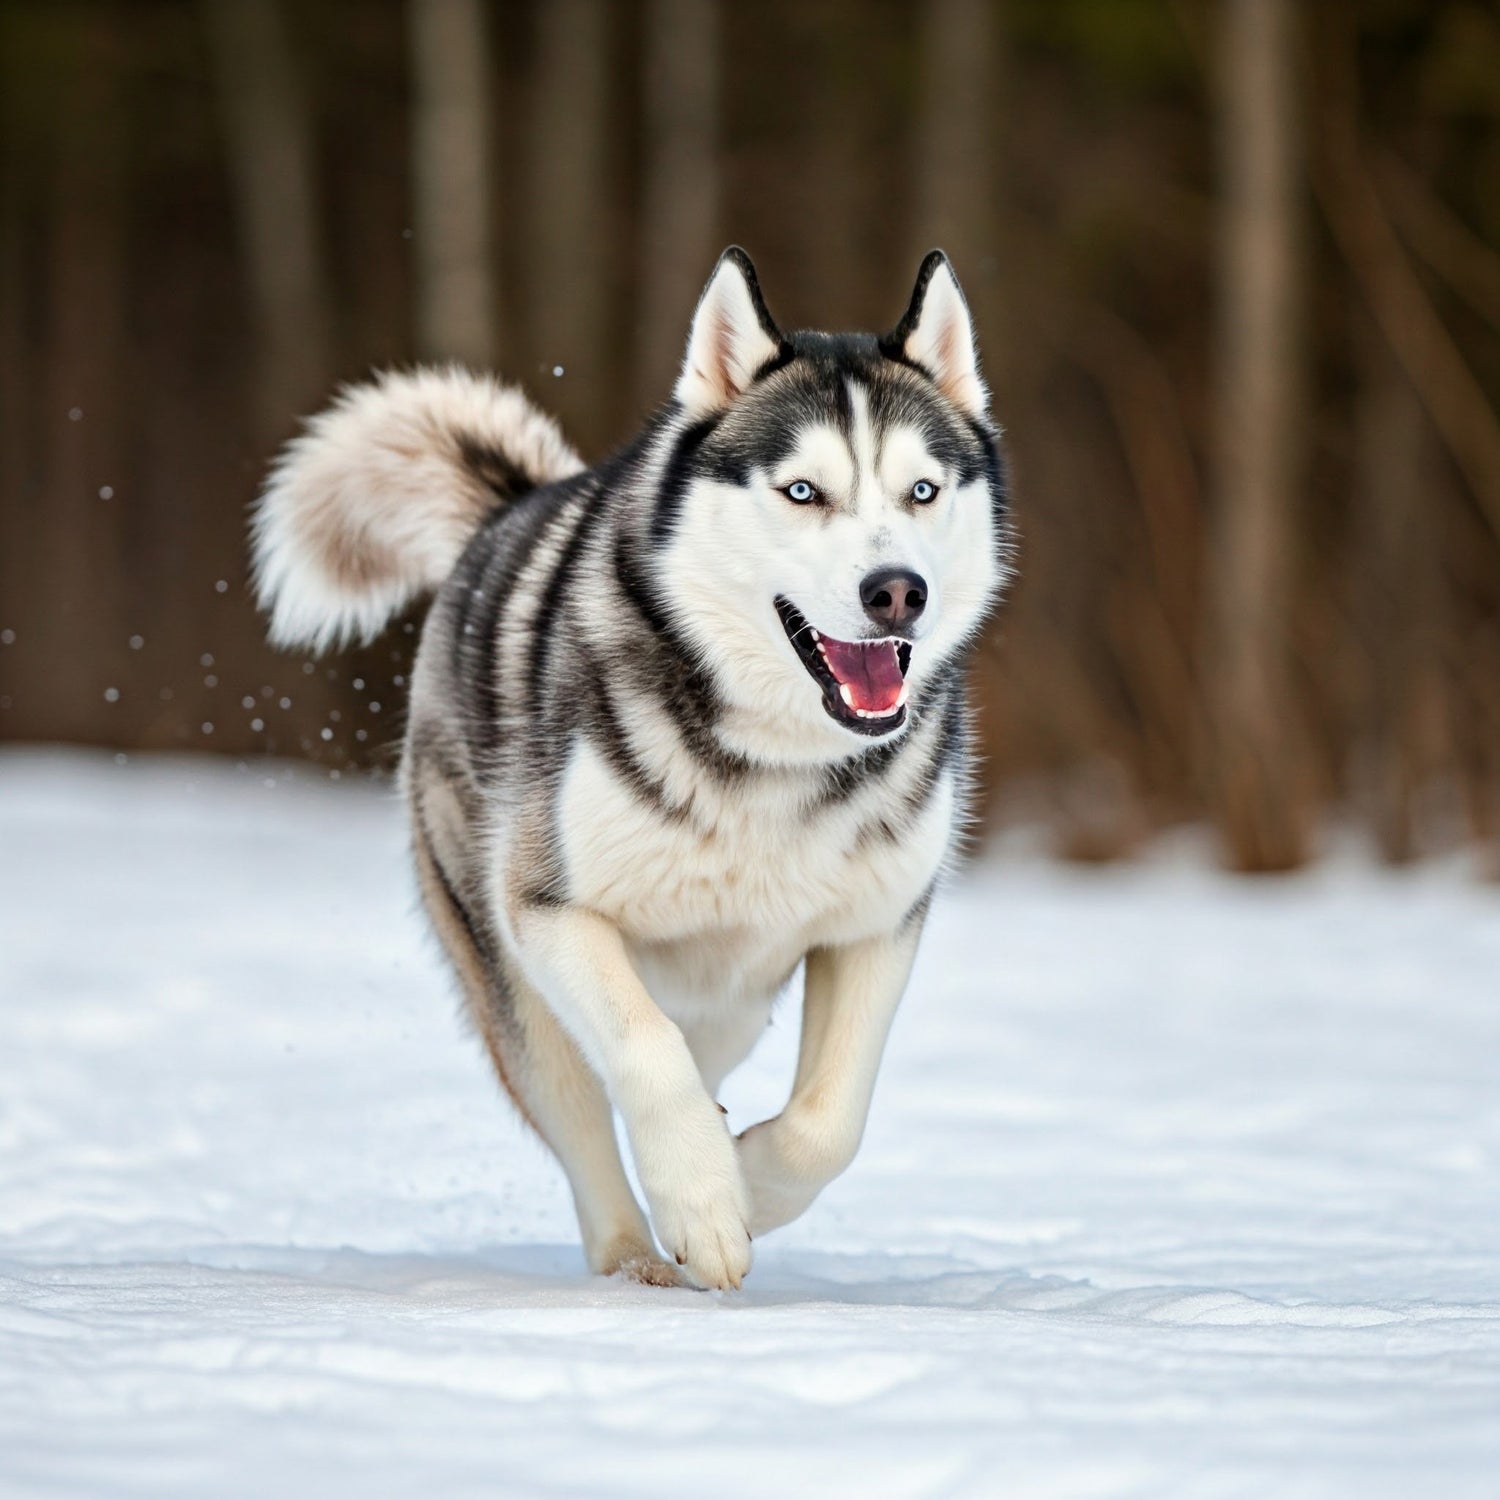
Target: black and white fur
639, 797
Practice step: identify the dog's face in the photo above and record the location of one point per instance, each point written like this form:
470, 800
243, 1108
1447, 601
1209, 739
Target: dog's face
829, 527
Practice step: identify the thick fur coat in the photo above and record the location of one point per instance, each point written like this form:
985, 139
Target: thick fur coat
679, 723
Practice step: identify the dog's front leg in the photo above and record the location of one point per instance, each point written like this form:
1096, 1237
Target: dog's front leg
683, 1151
849, 1000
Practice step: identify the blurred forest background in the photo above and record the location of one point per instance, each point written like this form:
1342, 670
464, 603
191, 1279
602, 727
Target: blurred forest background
1234, 264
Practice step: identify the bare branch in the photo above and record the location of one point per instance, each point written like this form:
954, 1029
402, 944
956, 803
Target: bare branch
1440, 237
1389, 283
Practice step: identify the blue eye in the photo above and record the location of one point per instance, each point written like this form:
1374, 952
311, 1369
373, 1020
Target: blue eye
923, 492
801, 492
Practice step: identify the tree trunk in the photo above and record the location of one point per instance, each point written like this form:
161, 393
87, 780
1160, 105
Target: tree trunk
959, 204
680, 191
1258, 768
75, 598
1399, 538
452, 181
269, 141
958, 171
839, 270
567, 285
18, 423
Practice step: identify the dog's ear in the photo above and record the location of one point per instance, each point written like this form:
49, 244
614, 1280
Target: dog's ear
937, 334
731, 338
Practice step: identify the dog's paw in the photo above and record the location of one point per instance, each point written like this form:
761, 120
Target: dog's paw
650, 1270
778, 1193
631, 1259
699, 1207
785, 1167
709, 1239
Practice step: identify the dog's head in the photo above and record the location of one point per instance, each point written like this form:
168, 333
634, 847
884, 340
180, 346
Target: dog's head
828, 519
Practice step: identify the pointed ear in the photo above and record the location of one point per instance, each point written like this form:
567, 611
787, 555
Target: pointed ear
731, 338
937, 334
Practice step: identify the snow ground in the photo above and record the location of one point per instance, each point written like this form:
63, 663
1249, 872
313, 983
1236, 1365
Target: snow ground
1175, 1186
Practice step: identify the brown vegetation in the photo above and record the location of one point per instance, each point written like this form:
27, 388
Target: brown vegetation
1234, 264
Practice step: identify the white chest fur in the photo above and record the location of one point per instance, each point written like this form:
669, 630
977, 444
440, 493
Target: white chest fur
747, 872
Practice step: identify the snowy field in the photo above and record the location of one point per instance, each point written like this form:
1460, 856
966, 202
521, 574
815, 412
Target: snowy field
1175, 1187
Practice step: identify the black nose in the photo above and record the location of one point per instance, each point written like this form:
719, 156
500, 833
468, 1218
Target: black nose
893, 597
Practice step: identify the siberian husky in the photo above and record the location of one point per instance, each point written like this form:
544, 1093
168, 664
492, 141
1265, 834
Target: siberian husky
679, 723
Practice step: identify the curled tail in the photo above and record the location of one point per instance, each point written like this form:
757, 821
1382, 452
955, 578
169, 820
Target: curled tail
373, 504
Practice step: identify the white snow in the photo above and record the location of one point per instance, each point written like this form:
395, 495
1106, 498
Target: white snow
1175, 1186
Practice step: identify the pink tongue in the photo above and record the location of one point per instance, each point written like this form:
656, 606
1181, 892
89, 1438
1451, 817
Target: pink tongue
870, 670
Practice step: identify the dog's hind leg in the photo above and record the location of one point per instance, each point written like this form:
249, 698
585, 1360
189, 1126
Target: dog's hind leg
554, 1089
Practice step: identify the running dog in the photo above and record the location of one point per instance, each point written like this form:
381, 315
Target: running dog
679, 723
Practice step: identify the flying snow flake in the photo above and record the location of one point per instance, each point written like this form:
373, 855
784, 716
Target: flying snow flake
557, 371
75, 414
374, 708
136, 642
222, 586
247, 701
207, 727
106, 492
211, 680
206, 660
285, 703
326, 733
359, 684
7, 637
257, 725
111, 695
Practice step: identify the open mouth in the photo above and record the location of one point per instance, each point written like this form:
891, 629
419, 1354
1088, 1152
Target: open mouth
863, 682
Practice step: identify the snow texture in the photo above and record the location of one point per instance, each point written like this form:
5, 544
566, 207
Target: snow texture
1175, 1186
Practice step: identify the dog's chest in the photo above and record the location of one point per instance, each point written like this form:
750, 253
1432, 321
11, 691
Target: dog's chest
759, 868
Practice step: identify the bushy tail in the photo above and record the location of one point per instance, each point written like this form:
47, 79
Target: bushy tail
373, 504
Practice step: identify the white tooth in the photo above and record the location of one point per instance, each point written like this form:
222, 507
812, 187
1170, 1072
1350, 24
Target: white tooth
814, 633
900, 697
847, 694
